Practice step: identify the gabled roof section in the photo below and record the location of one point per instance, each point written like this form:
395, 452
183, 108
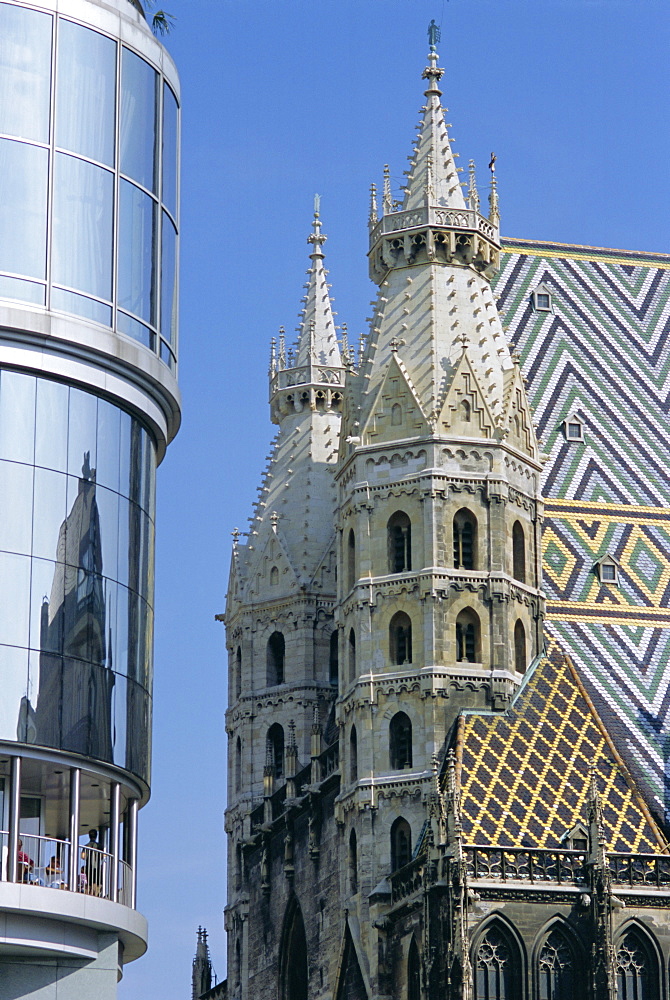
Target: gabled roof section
524, 775
396, 412
517, 419
433, 176
465, 412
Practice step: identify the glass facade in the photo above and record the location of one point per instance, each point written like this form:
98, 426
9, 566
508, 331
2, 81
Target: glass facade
89, 134
77, 480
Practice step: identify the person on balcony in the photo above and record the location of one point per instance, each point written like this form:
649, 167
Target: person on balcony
26, 865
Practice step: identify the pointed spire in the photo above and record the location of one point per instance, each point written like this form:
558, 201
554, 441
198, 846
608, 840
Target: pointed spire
282, 348
434, 175
317, 340
387, 206
494, 212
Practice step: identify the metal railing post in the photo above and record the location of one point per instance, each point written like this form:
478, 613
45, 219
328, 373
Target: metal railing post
14, 816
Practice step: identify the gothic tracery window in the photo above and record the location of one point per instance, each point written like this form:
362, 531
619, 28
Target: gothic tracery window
497, 967
556, 968
637, 968
401, 844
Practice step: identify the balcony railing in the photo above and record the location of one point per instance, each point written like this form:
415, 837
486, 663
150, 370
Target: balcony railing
500, 864
45, 861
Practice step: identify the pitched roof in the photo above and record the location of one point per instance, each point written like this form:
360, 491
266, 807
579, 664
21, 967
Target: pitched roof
524, 774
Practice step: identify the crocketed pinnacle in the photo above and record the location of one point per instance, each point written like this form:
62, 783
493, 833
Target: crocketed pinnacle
433, 177
317, 339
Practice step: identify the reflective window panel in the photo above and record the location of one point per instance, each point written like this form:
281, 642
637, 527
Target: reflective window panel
82, 226
86, 92
23, 208
76, 571
170, 145
137, 253
25, 291
25, 73
138, 120
169, 304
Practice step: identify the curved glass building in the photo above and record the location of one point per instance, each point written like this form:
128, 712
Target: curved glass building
89, 236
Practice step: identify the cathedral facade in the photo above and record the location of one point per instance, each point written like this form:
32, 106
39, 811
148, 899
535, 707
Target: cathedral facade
447, 624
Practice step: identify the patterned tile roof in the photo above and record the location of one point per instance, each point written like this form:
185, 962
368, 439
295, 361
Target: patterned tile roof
524, 774
603, 354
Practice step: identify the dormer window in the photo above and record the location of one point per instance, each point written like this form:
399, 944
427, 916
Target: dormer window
573, 427
607, 569
577, 839
542, 299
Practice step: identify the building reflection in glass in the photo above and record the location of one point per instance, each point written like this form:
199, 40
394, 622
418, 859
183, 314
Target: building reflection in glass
74, 706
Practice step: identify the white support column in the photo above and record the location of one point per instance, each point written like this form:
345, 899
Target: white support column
114, 820
73, 860
14, 815
133, 808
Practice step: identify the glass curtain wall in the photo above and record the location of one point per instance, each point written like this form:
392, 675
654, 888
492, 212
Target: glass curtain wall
76, 572
105, 246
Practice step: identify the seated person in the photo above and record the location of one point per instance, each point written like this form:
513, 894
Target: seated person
25, 865
54, 872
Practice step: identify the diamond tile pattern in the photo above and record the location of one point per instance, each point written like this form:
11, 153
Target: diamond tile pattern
524, 774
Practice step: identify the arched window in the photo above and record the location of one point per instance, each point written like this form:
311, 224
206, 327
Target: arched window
557, 968
294, 970
238, 672
333, 658
351, 559
400, 741
238, 764
238, 962
274, 576
352, 655
401, 844
637, 968
400, 638
353, 755
465, 540
468, 637
399, 529
520, 656
465, 411
275, 659
353, 862
497, 966
413, 972
276, 747
518, 552
396, 414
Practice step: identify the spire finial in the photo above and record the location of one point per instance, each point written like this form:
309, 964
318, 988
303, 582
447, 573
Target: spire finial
282, 348
473, 194
316, 237
432, 72
494, 213
387, 201
236, 536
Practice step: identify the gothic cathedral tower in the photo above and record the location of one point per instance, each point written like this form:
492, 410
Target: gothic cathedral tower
423, 801
439, 510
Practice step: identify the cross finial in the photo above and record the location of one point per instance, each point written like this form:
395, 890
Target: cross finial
396, 343
236, 534
316, 237
465, 341
274, 517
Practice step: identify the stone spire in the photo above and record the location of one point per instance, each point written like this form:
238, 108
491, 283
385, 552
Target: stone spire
202, 966
317, 340
433, 177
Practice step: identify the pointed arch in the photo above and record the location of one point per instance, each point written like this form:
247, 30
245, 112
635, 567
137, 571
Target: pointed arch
238, 764
276, 653
353, 862
352, 656
468, 636
520, 652
275, 739
293, 967
413, 972
334, 659
353, 754
465, 539
238, 672
399, 534
351, 559
400, 639
401, 843
497, 962
518, 552
400, 741
559, 959
637, 964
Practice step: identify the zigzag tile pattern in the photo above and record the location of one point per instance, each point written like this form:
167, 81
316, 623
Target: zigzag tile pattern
602, 354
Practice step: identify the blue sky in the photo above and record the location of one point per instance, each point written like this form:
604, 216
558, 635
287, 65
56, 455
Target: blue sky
282, 100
